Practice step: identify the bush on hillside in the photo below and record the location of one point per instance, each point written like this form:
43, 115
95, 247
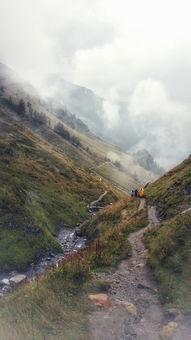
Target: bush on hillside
40, 118
21, 107
61, 131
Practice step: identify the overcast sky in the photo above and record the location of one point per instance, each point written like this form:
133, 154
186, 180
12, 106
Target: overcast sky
137, 51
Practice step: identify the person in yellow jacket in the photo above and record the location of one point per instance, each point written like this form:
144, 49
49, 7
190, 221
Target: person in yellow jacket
141, 193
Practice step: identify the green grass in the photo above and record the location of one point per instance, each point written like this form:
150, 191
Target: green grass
170, 193
169, 244
55, 306
170, 258
19, 248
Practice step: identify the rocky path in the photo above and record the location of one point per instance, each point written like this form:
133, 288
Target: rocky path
135, 312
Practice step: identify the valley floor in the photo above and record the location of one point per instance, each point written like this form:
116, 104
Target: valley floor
135, 311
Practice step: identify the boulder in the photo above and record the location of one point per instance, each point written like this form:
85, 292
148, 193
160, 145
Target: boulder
78, 232
17, 279
101, 300
130, 307
168, 330
5, 282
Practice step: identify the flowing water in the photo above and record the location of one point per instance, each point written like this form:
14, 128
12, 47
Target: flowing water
71, 240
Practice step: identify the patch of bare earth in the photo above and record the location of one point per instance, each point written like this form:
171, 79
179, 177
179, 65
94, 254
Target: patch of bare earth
134, 311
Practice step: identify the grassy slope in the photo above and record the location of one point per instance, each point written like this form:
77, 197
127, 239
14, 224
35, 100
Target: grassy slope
171, 192
169, 244
40, 191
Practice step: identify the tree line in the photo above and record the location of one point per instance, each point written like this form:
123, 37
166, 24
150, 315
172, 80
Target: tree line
26, 110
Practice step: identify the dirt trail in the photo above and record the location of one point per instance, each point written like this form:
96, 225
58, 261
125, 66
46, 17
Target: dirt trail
132, 282
99, 199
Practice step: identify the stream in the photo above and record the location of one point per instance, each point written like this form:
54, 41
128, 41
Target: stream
71, 240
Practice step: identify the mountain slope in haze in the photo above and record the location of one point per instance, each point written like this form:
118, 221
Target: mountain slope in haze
79, 100
94, 111
91, 153
169, 243
145, 159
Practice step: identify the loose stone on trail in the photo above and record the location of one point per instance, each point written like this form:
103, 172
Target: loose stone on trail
168, 330
130, 307
101, 300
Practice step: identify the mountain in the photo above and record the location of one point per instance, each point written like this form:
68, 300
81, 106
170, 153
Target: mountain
79, 100
95, 112
145, 159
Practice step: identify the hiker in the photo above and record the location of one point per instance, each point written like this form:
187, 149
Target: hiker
136, 192
141, 193
132, 193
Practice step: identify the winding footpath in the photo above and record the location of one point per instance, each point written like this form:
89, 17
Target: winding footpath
99, 199
135, 312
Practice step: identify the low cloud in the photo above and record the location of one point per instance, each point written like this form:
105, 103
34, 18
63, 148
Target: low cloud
111, 115
113, 156
133, 54
162, 125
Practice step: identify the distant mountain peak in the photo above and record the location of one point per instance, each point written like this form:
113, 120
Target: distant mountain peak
146, 160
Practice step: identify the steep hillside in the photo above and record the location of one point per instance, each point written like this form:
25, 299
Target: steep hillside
41, 191
169, 244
